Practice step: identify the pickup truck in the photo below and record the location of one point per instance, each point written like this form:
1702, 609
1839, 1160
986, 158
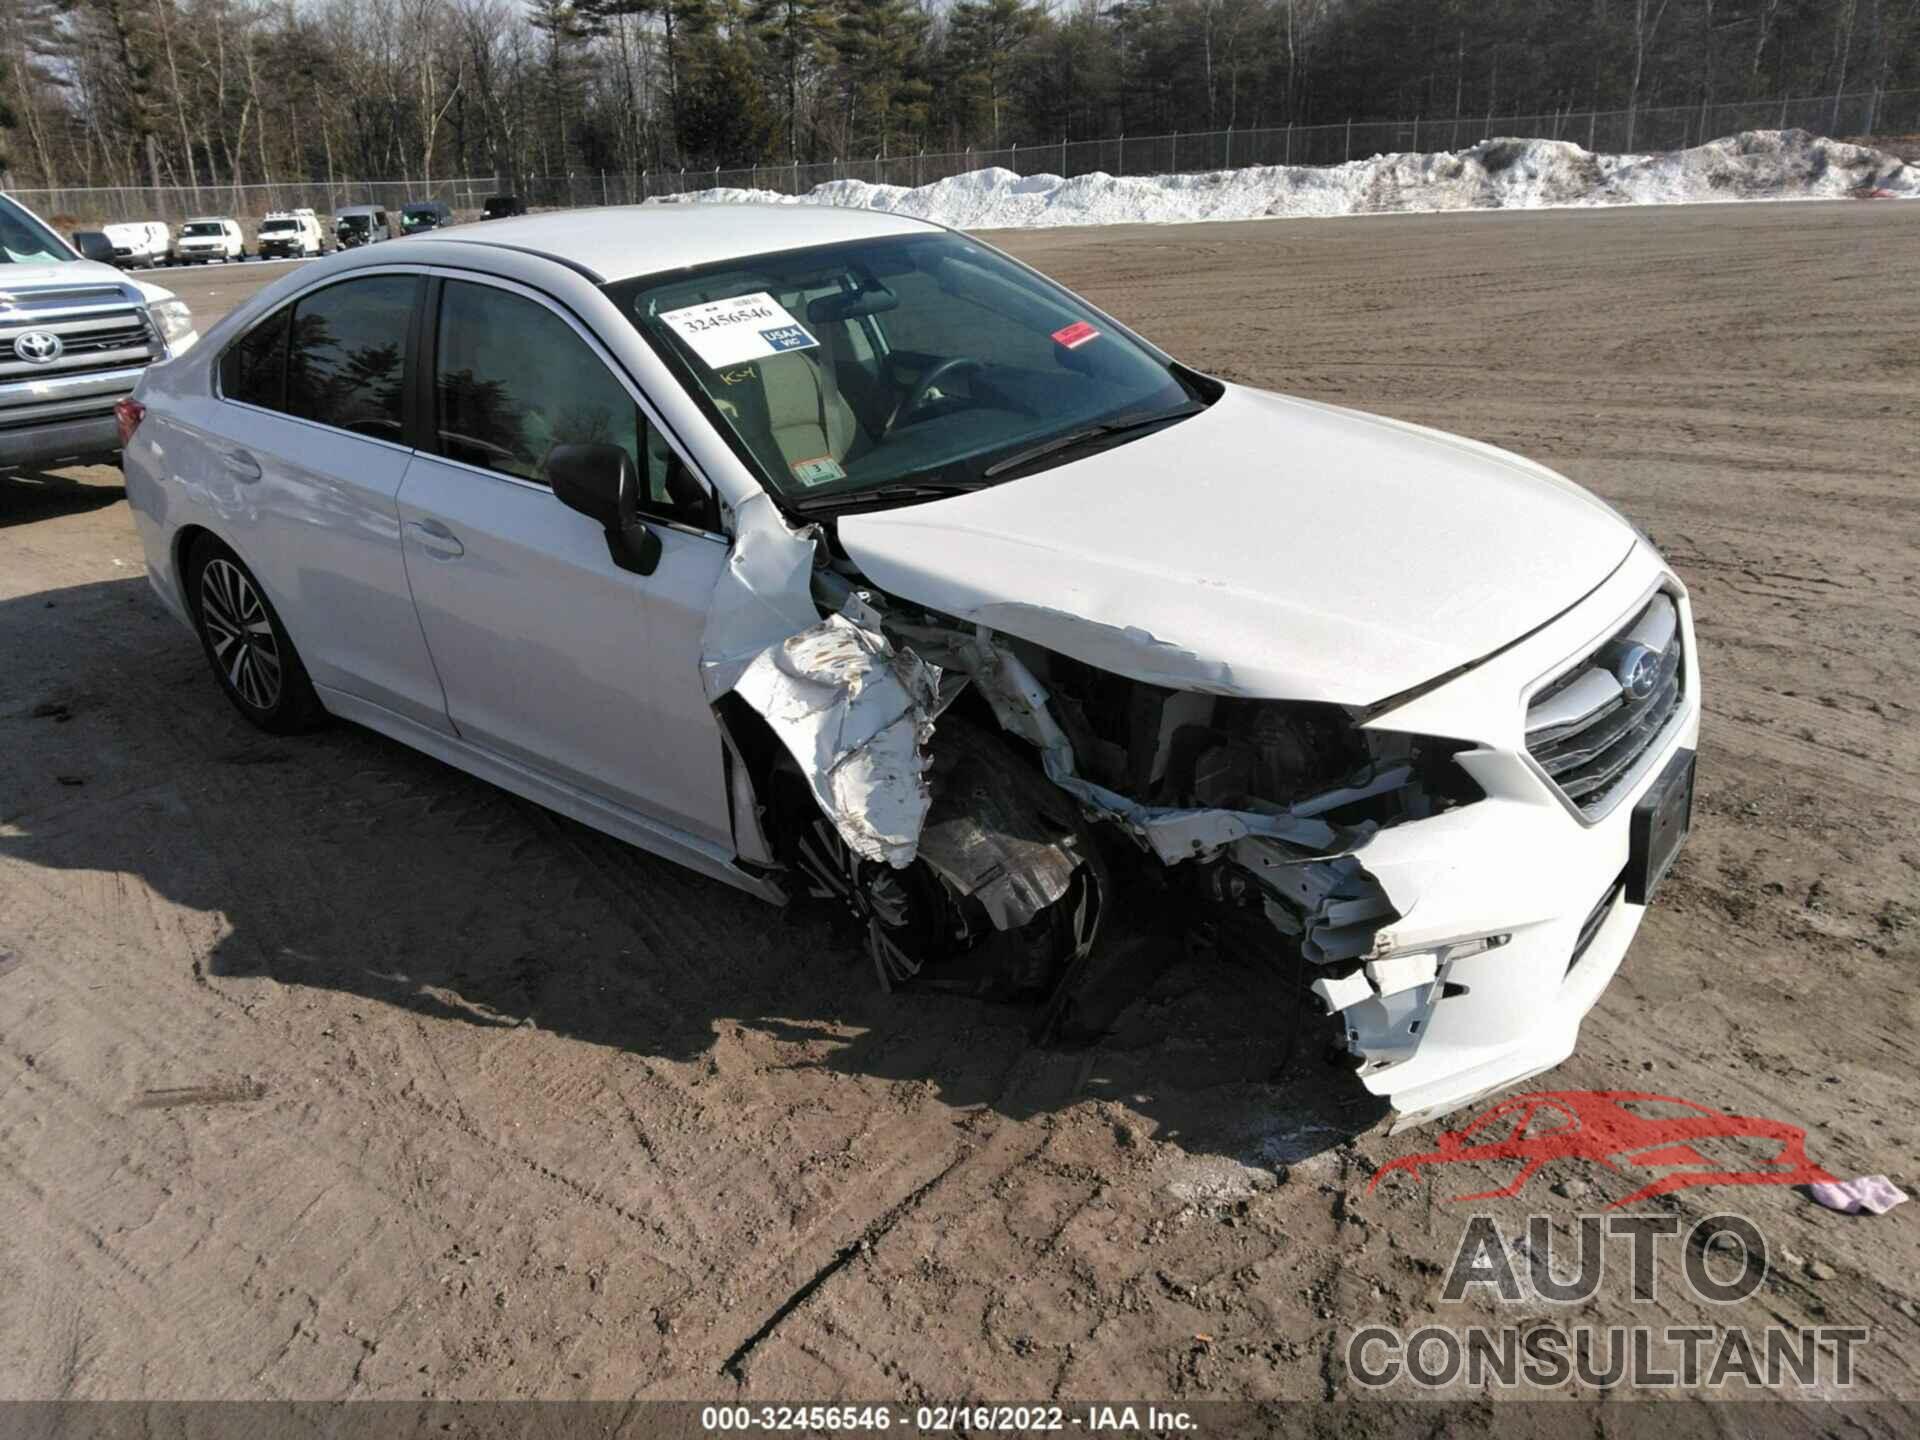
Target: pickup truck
75, 336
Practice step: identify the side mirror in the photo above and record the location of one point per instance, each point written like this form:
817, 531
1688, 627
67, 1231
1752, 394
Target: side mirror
93, 245
600, 481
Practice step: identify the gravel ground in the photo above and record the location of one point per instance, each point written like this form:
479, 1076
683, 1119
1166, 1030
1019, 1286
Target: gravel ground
327, 1071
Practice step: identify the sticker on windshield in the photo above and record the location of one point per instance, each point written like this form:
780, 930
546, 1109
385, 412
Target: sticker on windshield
745, 327
817, 471
1073, 336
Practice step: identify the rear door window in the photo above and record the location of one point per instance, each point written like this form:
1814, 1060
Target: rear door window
346, 365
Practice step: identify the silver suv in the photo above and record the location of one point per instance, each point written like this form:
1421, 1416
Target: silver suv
75, 337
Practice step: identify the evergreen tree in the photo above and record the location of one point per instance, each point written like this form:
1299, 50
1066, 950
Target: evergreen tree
724, 118
796, 36
880, 45
987, 36
566, 26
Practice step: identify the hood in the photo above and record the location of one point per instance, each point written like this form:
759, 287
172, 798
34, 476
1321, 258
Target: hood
1267, 547
17, 279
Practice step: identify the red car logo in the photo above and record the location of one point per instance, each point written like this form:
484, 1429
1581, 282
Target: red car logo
1608, 1127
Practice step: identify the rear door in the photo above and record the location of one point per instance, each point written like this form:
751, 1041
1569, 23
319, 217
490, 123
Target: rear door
307, 455
549, 653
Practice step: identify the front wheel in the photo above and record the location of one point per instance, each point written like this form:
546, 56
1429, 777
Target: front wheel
917, 924
245, 643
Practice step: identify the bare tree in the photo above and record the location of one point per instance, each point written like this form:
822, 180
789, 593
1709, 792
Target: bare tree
1646, 24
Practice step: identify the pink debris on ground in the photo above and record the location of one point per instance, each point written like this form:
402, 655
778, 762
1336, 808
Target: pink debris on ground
1874, 1194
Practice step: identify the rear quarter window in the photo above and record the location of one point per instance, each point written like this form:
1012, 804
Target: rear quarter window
253, 369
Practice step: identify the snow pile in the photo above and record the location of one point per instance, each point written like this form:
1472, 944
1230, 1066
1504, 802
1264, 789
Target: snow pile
1493, 175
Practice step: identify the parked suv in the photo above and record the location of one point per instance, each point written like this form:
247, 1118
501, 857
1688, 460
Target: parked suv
501, 207
835, 554
74, 337
211, 237
418, 215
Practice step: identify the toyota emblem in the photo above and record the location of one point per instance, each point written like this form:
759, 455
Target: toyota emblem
38, 347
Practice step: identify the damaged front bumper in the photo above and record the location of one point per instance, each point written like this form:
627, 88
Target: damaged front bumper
1460, 943
1508, 917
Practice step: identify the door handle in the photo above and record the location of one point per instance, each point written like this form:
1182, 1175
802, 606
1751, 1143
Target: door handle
240, 463
434, 538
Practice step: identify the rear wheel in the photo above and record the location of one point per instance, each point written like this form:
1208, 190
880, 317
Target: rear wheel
245, 643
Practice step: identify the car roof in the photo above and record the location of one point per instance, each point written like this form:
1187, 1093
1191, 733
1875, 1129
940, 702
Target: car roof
622, 241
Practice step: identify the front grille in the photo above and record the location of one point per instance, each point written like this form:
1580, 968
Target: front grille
1587, 729
93, 338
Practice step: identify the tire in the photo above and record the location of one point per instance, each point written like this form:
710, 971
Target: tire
914, 926
257, 667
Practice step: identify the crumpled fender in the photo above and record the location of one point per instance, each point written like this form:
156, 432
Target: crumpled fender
854, 712
857, 715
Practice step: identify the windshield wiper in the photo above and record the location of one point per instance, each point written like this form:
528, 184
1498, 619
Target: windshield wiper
1073, 439
901, 490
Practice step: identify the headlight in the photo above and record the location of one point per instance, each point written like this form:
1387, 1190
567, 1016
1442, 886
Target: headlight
174, 321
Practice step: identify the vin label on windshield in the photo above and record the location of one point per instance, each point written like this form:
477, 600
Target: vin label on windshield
745, 327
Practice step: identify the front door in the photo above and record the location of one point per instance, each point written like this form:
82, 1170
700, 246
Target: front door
549, 653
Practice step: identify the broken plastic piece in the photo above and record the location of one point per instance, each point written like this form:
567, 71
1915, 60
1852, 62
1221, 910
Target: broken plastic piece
1403, 972
1339, 992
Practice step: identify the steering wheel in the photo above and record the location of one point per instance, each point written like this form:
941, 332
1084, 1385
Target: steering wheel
917, 399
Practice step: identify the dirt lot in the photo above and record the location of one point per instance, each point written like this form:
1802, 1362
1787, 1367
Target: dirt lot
328, 1071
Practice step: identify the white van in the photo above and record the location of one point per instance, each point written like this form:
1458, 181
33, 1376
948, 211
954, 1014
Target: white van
290, 233
211, 237
139, 242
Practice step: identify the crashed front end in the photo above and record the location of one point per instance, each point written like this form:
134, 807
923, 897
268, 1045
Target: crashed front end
1448, 869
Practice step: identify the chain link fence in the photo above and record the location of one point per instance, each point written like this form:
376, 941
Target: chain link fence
1860, 116
82, 207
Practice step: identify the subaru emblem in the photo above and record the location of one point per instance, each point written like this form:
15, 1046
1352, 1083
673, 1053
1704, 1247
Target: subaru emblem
1637, 671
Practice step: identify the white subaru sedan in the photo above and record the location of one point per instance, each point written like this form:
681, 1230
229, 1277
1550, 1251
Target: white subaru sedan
838, 555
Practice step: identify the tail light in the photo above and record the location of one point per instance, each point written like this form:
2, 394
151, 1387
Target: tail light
128, 413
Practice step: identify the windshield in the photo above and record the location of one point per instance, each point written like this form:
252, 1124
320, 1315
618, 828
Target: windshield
274, 227
931, 361
203, 228
355, 222
25, 241
418, 212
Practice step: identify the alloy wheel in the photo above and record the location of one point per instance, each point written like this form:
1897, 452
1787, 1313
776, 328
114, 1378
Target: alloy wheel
240, 633
879, 897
